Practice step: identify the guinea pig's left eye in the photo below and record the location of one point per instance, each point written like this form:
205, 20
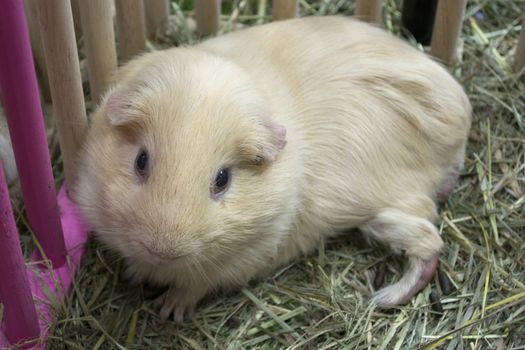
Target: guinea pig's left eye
221, 183
141, 164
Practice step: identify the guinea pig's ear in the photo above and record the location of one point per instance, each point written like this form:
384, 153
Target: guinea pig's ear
120, 107
273, 145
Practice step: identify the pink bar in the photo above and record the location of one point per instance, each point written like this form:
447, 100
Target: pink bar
55, 283
26, 127
20, 319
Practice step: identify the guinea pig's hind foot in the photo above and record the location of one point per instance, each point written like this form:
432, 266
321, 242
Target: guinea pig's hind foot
419, 274
420, 241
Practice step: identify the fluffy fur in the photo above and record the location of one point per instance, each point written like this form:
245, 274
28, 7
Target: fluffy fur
375, 133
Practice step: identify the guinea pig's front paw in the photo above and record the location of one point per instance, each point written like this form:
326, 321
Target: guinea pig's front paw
179, 302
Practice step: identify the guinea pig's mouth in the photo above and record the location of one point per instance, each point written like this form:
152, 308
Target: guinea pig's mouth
161, 256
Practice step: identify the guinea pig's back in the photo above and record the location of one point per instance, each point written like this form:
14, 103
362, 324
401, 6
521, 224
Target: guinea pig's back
373, 112
297, 60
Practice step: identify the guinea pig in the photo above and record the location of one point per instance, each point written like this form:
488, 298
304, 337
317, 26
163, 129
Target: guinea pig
7, 157
208, 166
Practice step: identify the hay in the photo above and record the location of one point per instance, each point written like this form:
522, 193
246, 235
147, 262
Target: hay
319, 301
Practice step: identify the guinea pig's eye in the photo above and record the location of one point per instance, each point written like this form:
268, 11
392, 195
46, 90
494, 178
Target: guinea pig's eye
141, 164
221, 183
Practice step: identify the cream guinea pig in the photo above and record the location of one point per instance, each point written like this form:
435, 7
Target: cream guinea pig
208, 166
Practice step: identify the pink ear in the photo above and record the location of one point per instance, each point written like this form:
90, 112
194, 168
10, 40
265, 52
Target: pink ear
119, 107
277, 141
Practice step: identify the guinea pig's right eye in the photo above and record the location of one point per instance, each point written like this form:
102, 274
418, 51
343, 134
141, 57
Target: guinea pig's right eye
141, 164
221, 183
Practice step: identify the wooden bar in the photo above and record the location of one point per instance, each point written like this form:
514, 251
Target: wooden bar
131, 28
75, 8
26, 126
60, 49
285, 9
99, 41
31, 8
207, 14
157, 17
20, 318
447, 27
519, 57
369, 11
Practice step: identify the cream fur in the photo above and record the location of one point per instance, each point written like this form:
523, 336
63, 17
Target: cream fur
373, 127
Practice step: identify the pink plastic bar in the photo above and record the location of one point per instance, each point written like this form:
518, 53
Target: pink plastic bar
26, 127
49, 286
20, 317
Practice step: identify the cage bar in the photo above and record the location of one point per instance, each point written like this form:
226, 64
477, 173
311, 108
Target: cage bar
99, 40
60, 49
75, 8
207, 14
447, 27
31, 10
369, 10
157, 17
284, 9
20, 318
26, 127
131, 28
